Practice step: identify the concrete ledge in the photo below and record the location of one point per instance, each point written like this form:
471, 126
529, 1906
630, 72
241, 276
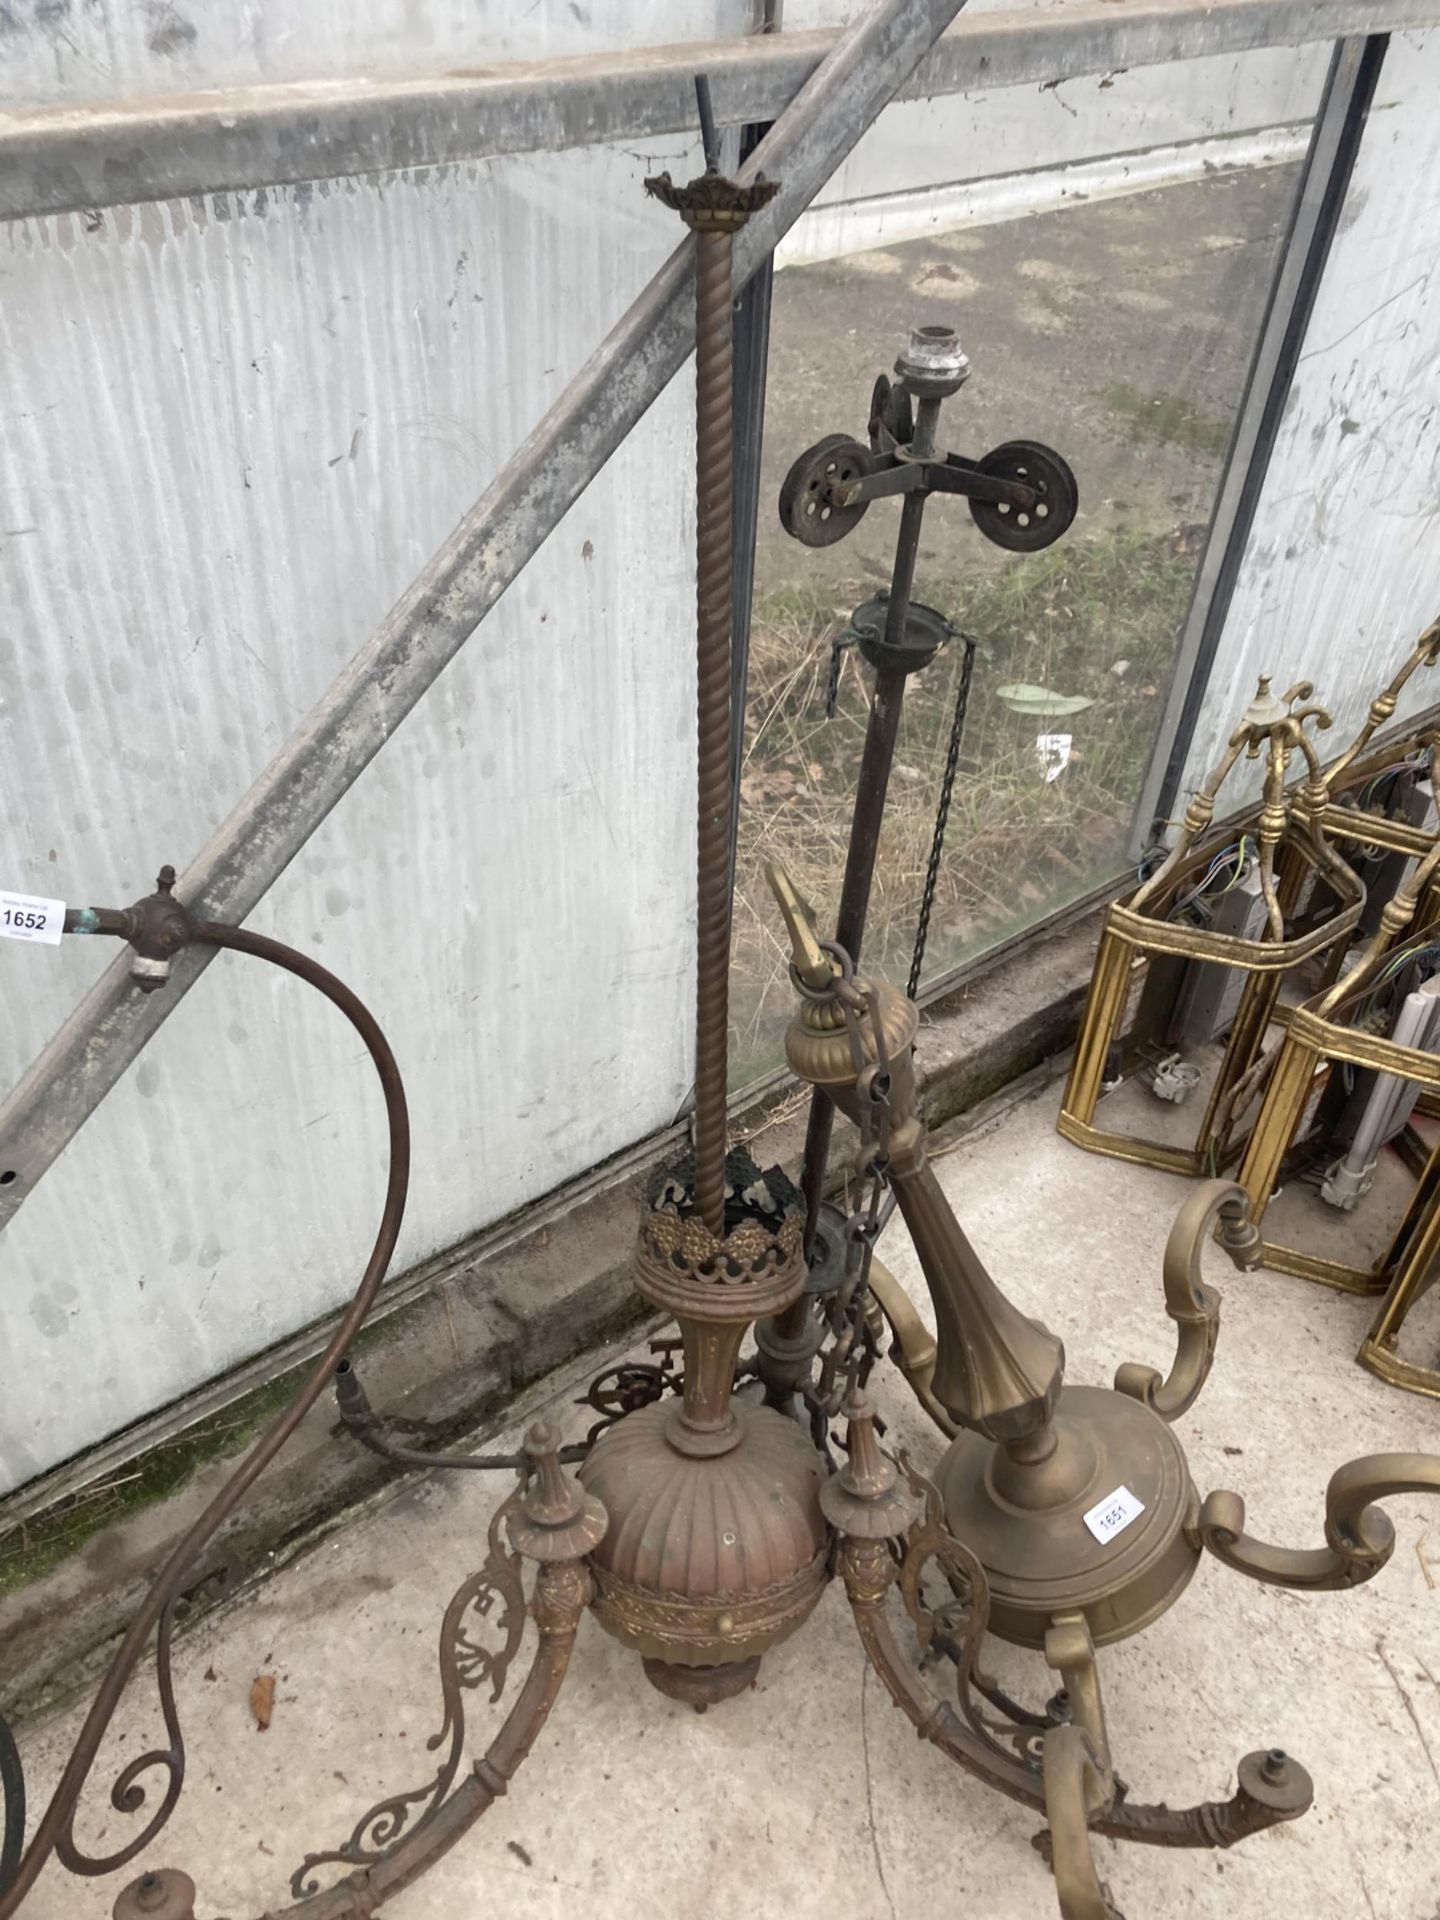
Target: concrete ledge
481, 1323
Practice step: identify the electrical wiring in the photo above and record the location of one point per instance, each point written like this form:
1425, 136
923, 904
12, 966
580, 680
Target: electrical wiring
1233, 856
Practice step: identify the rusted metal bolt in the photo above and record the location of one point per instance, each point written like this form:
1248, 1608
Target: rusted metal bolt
1277, 1765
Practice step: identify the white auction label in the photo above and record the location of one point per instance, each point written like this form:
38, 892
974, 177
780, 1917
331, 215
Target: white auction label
1054, 750
23, 917
1113, 1514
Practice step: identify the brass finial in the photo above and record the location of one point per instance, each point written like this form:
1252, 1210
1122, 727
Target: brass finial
813, 966
556, 1519
866, 1499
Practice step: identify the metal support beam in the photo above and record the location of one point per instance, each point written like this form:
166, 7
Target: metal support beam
452, 595
55, 159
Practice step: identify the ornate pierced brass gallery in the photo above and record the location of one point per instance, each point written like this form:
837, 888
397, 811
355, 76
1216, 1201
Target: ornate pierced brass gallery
717, 1546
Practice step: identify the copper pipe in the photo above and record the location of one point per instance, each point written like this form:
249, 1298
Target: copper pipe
713, 455
56, 1827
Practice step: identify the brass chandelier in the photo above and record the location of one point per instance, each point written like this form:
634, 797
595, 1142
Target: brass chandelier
703, 1525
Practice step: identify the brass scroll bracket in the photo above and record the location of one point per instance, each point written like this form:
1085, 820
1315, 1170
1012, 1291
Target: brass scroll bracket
1077, 1785
1079, 1779
1194, 1307
913, 1349
552, 1523
1359, 1537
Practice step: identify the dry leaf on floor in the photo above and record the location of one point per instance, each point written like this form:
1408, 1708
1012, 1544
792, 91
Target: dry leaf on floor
262, 1699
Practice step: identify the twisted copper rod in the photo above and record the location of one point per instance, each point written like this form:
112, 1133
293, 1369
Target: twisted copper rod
712, 546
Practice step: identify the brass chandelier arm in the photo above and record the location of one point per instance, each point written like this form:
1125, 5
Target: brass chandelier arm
1076, 1783
549, 1520
1193, 1306
562, 1592
1359, 1536
868, 1572
1071, 1652
914, 1351
1079, 1779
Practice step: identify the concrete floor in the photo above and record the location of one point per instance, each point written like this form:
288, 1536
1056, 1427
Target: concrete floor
811, 1794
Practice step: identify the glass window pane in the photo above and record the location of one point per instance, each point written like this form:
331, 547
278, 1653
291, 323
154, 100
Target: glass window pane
1117, 328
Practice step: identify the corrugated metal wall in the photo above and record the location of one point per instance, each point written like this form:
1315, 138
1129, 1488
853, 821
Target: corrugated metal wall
114, 49
233, 431
1342, 568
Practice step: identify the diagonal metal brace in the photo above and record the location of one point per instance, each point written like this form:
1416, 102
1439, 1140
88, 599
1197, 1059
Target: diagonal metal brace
452, 595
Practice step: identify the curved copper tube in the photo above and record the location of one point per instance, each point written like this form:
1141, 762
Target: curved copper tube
55, 1830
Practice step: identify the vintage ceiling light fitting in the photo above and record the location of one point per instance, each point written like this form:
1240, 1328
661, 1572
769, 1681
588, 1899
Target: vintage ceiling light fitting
702, 1529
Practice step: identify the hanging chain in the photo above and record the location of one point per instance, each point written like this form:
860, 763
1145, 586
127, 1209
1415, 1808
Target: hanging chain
942, 816
832, 684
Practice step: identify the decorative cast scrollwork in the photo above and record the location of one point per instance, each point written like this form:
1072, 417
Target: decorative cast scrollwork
495, 1595
958, 1629
631, 1385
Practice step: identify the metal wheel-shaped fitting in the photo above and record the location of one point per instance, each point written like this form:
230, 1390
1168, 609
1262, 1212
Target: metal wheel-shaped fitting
892, 414
1027, 529
808, 509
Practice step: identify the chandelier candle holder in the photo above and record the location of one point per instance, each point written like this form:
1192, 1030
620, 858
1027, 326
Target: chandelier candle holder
1291, 848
